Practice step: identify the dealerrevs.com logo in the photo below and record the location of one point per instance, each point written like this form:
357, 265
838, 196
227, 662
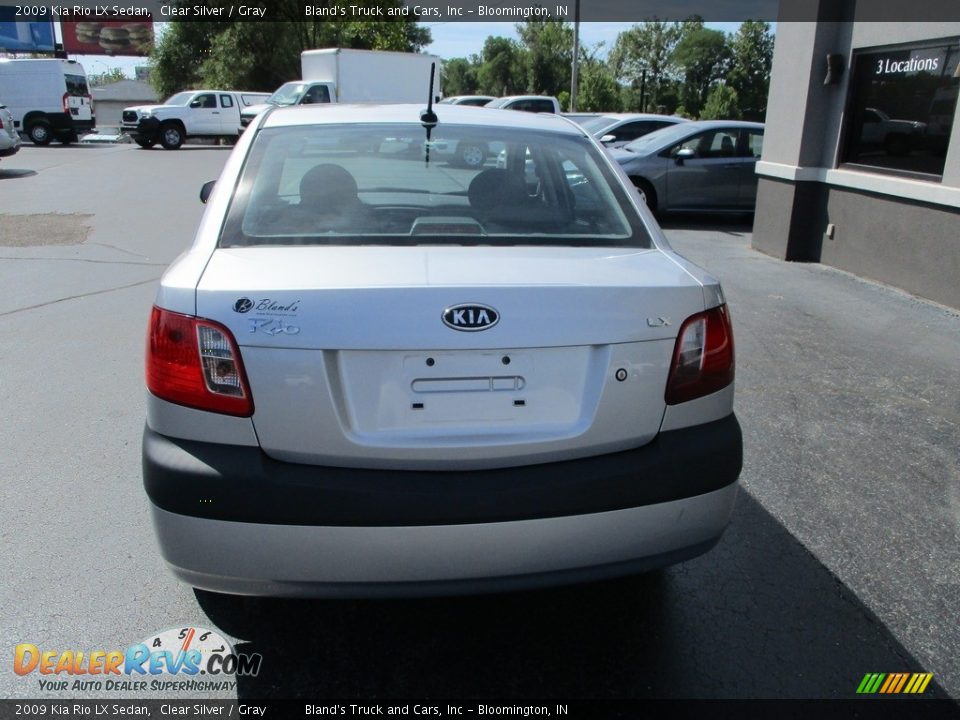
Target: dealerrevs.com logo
189, 658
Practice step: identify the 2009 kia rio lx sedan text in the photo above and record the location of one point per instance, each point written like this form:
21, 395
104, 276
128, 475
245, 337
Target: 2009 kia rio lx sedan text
379, 373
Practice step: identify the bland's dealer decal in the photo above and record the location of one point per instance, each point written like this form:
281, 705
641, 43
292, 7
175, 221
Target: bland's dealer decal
274, 311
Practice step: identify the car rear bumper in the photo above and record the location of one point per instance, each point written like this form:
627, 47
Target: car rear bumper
303, 561
230, 519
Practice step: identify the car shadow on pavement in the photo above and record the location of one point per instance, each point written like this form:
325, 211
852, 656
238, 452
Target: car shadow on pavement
734, 223
758, 616
12, 173
188, 147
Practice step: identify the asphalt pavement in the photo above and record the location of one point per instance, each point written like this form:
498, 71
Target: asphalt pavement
842, 557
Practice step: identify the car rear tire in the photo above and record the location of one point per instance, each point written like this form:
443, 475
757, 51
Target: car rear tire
146, 144
39, 132
171, 136
649, 194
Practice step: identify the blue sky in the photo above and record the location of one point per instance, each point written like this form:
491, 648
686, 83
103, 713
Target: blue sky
450, 39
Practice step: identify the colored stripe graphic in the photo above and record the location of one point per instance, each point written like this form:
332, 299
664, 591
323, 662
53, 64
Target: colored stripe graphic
903, 679
894, 683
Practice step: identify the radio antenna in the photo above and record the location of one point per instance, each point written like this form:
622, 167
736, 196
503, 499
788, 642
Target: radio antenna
428, 118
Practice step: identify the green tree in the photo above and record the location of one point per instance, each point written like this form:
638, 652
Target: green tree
702, 57
264, 55
460, 77
502, 71
751, 58
597, 89
178, 54
641, 58
105, 78
549, 55
722, 104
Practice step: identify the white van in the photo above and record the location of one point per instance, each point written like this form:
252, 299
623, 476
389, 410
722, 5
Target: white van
48, 98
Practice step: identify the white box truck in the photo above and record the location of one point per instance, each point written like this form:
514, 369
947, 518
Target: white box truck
355, 76
48, 98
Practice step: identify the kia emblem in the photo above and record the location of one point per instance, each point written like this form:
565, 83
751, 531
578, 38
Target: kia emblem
470, 317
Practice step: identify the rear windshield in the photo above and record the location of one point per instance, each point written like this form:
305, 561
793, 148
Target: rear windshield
387, 185
77, 85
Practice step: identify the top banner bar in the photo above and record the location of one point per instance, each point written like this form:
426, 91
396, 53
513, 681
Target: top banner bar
494, 10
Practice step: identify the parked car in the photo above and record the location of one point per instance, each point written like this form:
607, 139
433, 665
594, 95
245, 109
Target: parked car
706, 165
9, 137
895, 137
617, 129
384, 378
478, 100
189, 114
48, 98
527, 103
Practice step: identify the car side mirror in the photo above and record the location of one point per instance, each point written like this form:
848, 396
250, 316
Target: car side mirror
607, 139
195, 104
683, 155
205, 191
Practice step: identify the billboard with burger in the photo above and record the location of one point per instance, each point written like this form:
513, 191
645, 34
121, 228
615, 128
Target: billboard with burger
107, 37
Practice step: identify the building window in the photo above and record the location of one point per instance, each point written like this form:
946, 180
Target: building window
902, 105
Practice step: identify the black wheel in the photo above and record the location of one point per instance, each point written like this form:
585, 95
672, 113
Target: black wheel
146, 144
171, 136
471, 154
647, 192
39, 132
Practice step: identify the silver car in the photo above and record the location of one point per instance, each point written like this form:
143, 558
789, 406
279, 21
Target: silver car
380, 375
703, 166
615, 130
9, 137
475, 100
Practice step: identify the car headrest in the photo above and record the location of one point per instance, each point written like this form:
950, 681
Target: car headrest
494, 188
329, 185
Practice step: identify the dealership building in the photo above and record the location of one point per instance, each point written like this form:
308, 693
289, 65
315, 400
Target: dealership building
861, 161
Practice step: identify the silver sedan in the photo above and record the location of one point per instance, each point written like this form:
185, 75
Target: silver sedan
702, 166
615, 130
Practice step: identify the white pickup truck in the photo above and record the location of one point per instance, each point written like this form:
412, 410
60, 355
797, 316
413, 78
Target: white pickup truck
189, 114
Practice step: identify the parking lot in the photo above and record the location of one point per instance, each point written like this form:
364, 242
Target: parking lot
842, 557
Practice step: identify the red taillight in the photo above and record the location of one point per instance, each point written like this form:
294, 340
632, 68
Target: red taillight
195, 362
89, 101
66, 103
703, 356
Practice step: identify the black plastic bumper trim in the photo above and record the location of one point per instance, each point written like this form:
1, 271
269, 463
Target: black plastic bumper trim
243, 484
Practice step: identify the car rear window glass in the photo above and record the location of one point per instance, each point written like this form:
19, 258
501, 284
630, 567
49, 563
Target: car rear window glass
77, 85
388, 185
